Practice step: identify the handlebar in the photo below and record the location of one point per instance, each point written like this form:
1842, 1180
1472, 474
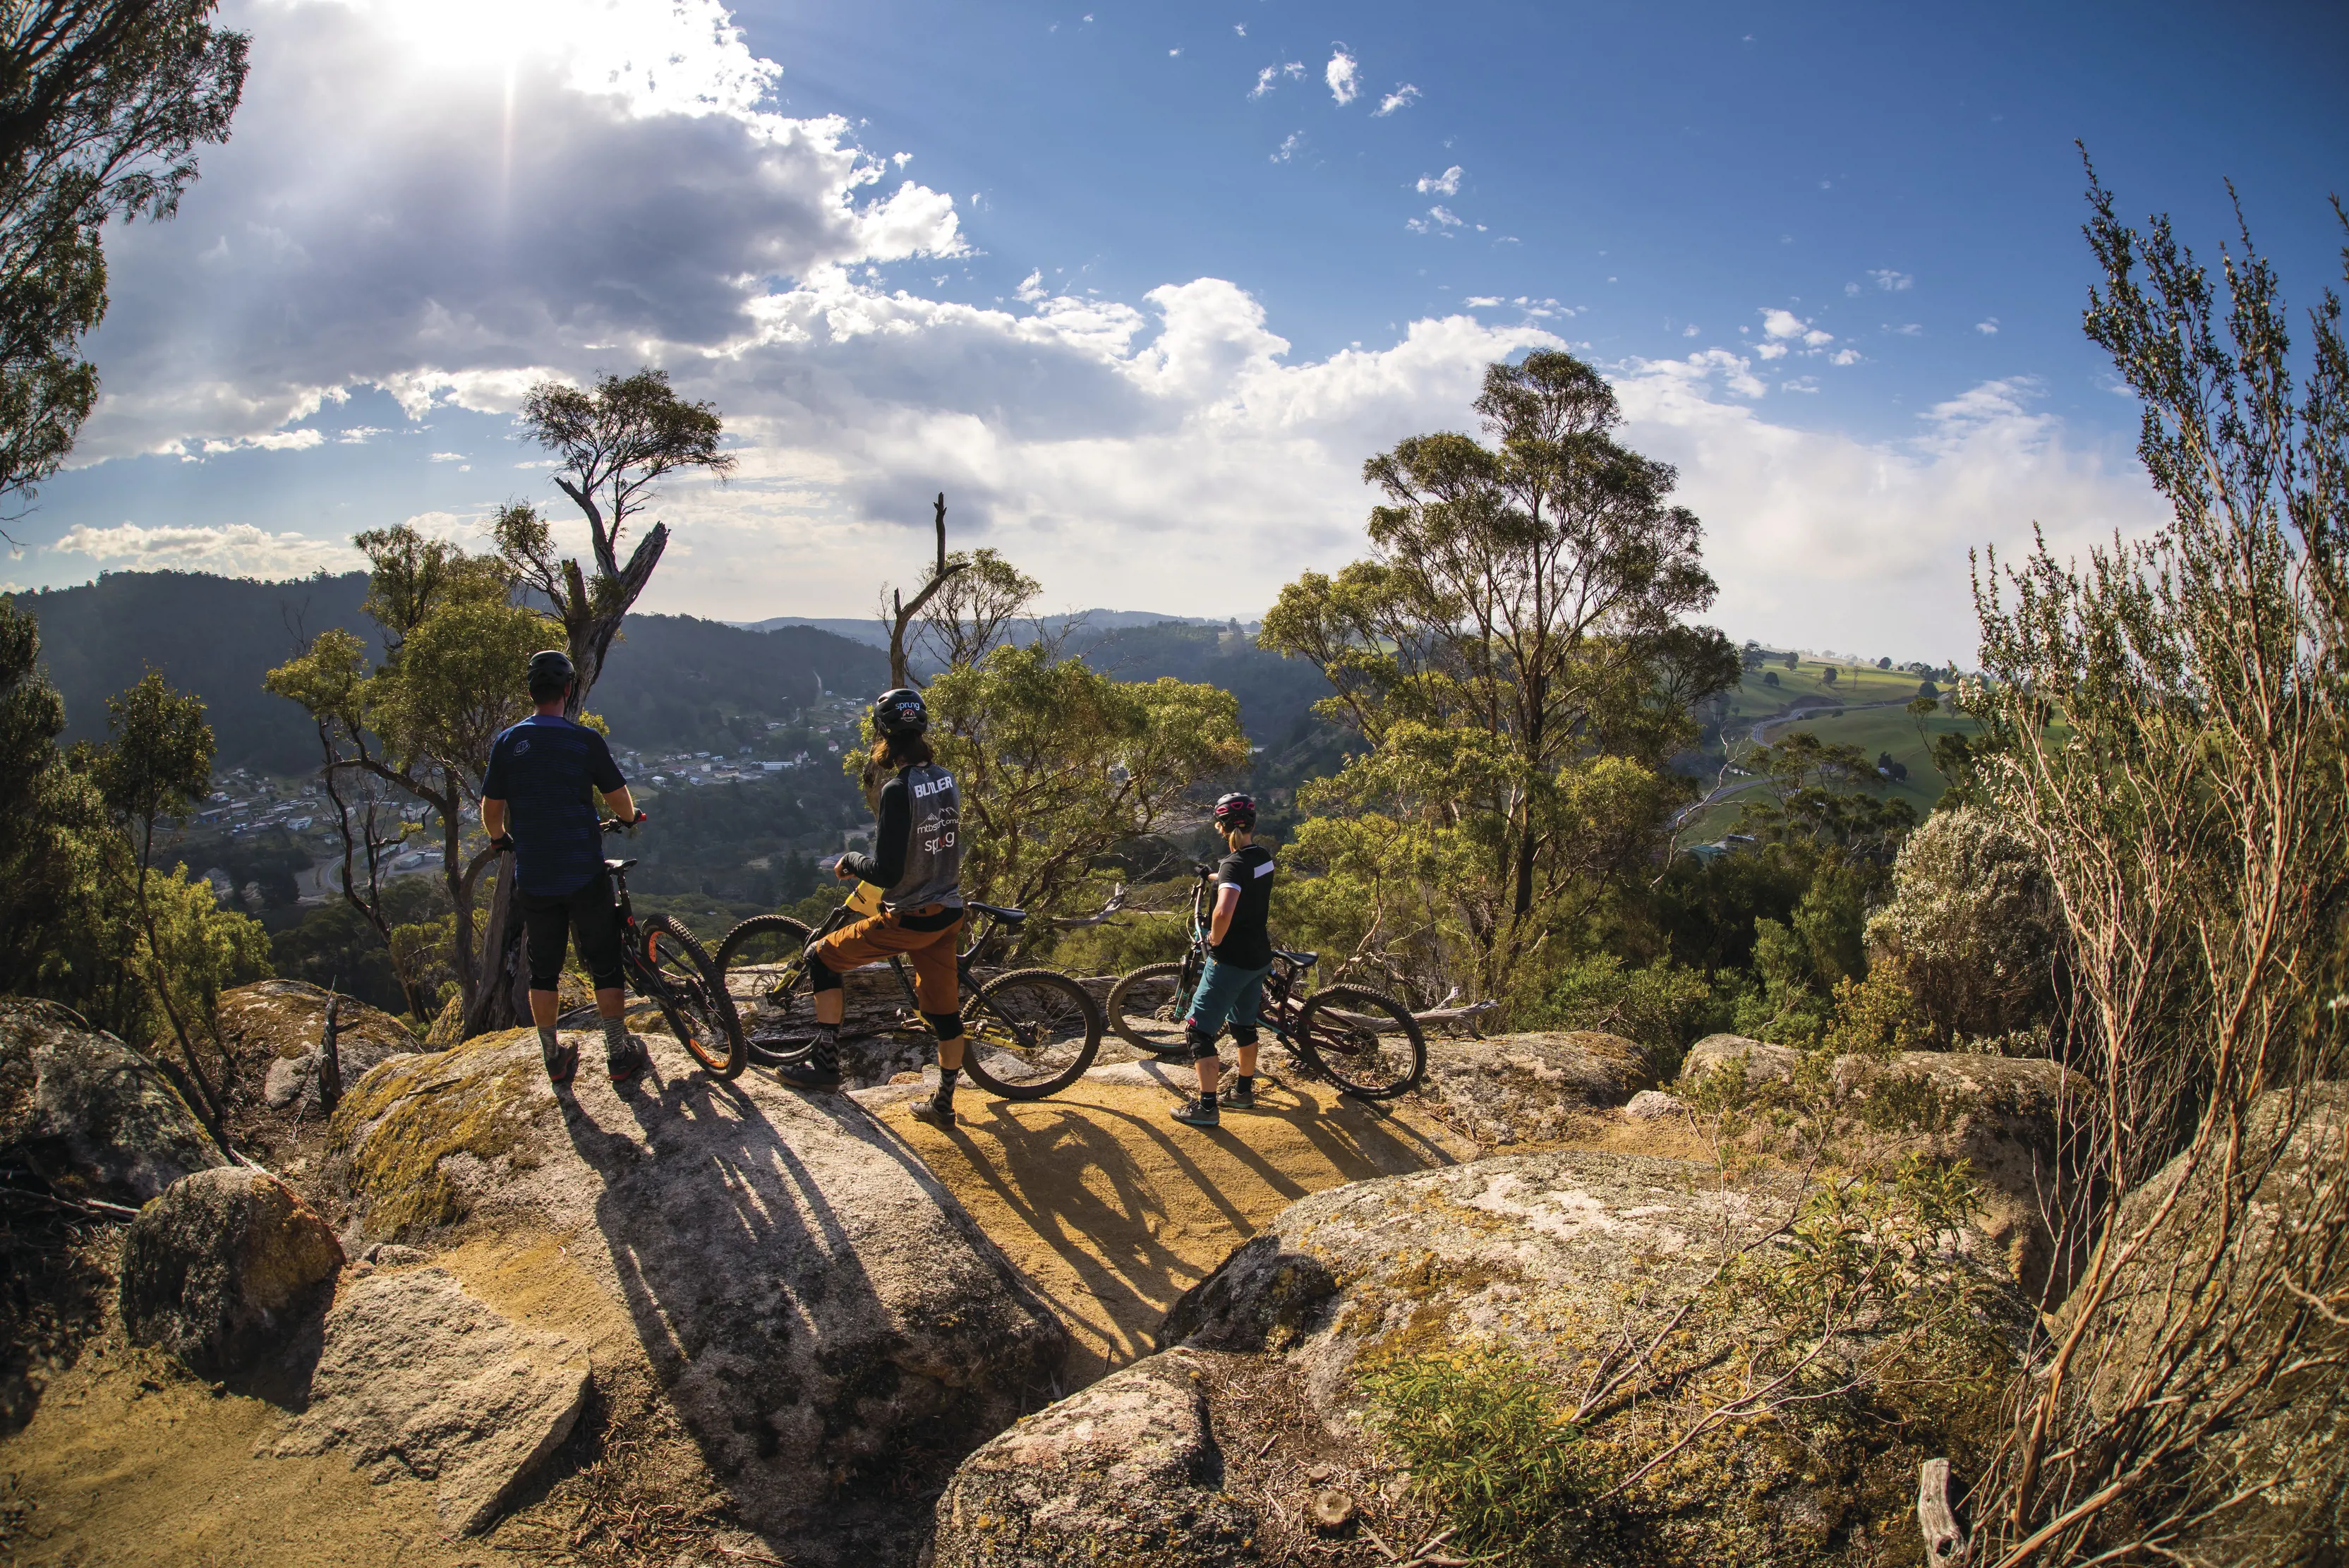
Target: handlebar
614, 824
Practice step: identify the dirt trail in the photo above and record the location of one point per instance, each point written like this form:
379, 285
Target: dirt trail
1113, 1210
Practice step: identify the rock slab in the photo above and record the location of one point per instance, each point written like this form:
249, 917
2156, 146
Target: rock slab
1123, 1472
90, 1113
824, 1319
418, 1380
219, 1270
1528, 1089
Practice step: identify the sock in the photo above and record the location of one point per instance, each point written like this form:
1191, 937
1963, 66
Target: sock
1242, 1080
947, 1077
546, 1041
826, 1057
616, 1036
1207, 1099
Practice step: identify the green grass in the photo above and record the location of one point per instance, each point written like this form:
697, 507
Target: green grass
1875, 731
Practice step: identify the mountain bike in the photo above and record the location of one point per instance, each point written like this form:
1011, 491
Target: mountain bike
665, 966
1029, 1034
1363, 1041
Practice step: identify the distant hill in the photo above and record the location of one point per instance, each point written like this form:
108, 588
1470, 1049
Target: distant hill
672, 681
867, 630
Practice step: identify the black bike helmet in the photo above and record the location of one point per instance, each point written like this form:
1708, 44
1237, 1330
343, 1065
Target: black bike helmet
1235, 811
550, 670
901, 715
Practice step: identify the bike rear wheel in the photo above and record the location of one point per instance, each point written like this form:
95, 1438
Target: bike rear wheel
1146, 1005
1363, 1041
691, 992
1029, 1034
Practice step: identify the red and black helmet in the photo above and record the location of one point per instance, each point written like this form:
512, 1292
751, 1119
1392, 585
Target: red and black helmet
1235, 811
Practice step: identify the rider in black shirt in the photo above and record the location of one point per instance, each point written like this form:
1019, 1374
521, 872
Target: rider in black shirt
1239, 954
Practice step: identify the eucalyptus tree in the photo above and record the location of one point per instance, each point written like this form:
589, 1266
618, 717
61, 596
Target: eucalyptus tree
414, 729
1516, 651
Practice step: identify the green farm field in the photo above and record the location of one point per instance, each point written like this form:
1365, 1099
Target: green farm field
1875, 730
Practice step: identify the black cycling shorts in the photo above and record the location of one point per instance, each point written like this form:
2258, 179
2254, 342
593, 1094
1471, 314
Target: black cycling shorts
589, 917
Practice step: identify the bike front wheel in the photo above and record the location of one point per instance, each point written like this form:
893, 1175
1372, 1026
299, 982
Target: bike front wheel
691, 992
1029, 1034
1363, 1041
1146, 1009
765, 969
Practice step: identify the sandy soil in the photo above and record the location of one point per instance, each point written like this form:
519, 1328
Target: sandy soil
1113, 1210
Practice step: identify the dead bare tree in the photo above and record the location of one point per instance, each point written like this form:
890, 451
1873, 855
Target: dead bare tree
901, 615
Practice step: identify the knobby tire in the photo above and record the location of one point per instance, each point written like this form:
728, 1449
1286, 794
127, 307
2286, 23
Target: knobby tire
772, 1003
1144, 1008
1363, 1041
692, 998
1039, 1018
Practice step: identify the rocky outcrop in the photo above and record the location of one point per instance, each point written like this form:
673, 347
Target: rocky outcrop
2007, 1116
1528, 1089
1762, 1063
418, 1380
1556, 1263
275, 1027
92, 1116
1124, 1472
827, 1323
222, 1268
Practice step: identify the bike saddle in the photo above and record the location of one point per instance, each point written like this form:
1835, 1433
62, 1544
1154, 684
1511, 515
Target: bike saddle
618, 864
1008, 917
1302, 961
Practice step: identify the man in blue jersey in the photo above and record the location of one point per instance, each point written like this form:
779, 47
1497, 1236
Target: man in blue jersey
538, 799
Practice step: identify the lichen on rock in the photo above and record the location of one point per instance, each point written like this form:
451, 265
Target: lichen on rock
1508, 1089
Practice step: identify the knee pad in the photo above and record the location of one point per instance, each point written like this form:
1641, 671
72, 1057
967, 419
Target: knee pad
822, 976
1201, 1041
944, 1025
545, 983
1243, 1039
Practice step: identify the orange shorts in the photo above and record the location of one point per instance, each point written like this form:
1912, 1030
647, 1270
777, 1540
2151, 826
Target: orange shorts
878, 937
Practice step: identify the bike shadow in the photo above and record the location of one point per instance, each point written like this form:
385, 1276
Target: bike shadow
794, 1277
1114, 1211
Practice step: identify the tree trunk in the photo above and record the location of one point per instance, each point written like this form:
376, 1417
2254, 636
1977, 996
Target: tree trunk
492, 1004
903, 614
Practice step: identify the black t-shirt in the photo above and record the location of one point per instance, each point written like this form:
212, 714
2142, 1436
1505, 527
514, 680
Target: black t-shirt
549, 771
1246, 942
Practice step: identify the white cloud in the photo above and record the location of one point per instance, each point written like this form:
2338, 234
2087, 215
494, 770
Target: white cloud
239, 549
1910, 331
1403, 97
448, 457
1289, 147
1771, 350
1482, 301
1890, 282
1344, 78
1844, 357
1785, 324
1438, 219
1269, 77
1689, 330
1851, 290
1820, 536
270, 441
356, 435
1031, 287
480, 123
1986, 328
1240, 28
1445, 184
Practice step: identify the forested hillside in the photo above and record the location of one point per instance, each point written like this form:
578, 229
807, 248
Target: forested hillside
674, 680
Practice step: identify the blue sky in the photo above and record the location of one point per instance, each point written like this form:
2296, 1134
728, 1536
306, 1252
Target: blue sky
1141, 287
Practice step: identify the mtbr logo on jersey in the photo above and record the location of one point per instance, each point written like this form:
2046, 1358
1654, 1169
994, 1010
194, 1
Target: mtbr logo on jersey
943, 782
